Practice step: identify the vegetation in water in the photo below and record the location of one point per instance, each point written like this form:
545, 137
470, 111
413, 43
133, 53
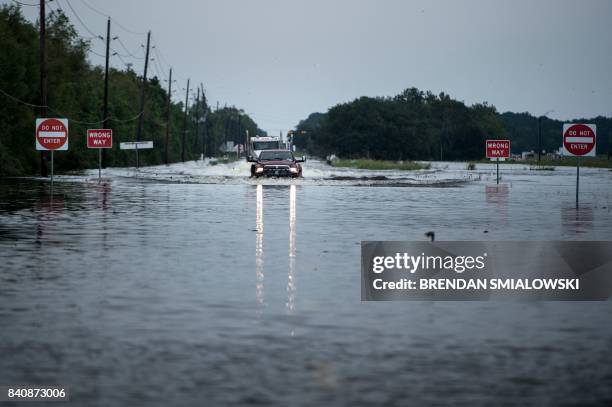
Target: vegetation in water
368, 164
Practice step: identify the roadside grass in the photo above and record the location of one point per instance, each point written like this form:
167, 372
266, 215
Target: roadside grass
594, 162
367, 164
547, 163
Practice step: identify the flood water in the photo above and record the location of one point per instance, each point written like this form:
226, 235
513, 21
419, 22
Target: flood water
195, 285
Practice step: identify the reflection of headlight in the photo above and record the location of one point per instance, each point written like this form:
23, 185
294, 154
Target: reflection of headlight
293, 169
258, 169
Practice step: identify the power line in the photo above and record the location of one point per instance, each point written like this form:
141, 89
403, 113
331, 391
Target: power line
78, 18
94, 10
128, 30
120, 58
159, 61
128, 51
25, 4
16, 99
160, 53
96, 53
19, 100
89, 6
158, 67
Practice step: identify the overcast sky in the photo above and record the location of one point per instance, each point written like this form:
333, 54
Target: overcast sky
281, 60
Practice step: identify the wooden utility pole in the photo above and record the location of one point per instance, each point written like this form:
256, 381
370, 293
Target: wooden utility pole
197, 121
539, 138
144, 87
185, 123
169, 105
105, 108
225, 131
205, 108
43, 81
239, 138
609, 143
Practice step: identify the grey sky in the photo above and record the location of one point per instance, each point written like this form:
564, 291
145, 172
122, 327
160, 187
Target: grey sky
283, 59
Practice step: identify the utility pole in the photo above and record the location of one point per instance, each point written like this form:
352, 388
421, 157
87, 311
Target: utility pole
144, 87
246, 144
43, 81
197, 121
205, 108
225, 132
540, 133
169, 104
609, 143
185, 122
239, 138
102, 151
539, 138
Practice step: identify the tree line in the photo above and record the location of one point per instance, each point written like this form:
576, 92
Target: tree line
75, 91
417, 125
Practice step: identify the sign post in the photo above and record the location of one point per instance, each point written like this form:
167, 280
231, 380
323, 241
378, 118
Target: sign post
136, 145
579, 140
496, 149
99, 139
51, 135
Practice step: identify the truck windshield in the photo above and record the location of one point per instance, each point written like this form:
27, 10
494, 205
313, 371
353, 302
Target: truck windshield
275, 155
265, 145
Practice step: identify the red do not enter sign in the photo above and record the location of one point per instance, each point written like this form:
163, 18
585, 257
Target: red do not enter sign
579, 139
52, 134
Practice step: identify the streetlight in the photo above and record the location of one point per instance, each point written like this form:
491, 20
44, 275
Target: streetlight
540, 134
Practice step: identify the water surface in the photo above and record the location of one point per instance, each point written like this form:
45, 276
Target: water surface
215, 289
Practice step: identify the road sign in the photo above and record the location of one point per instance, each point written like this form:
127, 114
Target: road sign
579, 139
136, 145
498, 148
52, 134
99, 138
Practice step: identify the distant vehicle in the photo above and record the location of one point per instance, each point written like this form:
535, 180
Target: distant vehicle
258, 144
276, 163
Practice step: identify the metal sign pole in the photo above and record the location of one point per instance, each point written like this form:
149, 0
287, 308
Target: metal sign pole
577, 179
52, 167
137, 163
99, 164
497, 170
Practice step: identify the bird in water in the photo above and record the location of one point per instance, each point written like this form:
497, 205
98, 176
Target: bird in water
431, 235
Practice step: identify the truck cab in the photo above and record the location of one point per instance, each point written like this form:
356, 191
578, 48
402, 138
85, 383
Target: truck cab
259, 144
276, 163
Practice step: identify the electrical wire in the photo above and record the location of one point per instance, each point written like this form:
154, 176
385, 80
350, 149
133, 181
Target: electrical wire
25, 4
89, 6
96, 53
159, 68
33, 105
78, 18
131, 54
158, 54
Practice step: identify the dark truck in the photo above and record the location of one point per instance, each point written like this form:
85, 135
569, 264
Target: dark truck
276, 163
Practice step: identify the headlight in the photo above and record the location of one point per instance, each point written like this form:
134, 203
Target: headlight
293, 169
258, 169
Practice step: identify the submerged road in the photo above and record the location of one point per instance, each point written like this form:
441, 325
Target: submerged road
194, 284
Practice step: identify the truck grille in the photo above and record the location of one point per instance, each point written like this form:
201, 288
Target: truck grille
276, 170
